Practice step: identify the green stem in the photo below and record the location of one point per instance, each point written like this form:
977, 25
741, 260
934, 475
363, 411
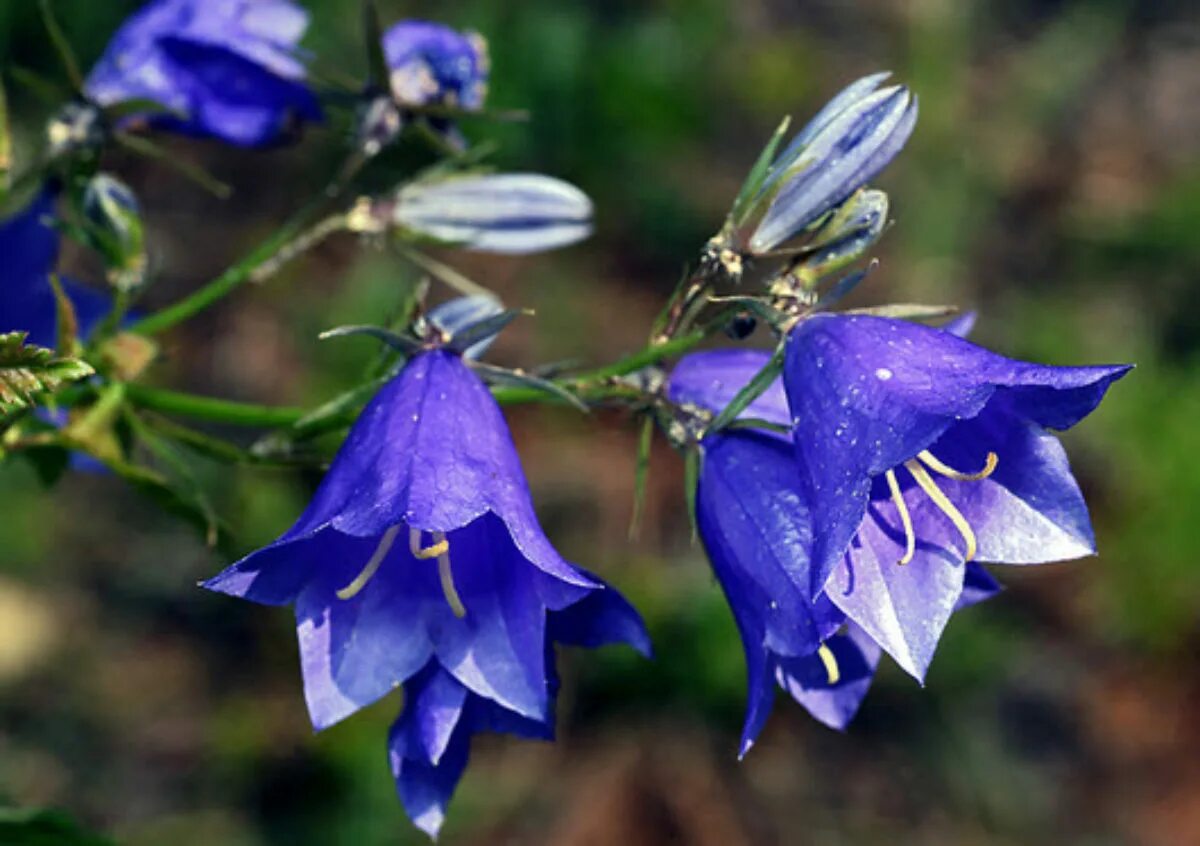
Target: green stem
223, 285
248, 414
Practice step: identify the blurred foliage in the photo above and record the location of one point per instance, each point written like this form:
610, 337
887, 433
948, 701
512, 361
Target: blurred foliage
1053, 183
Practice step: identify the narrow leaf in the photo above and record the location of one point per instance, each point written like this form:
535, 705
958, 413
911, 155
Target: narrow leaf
61, 46
197, 175
484, 330
377, 68
641, 473
68, 324
26, 370
752, 391
692, 465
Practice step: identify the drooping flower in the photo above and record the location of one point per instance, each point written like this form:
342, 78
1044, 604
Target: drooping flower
512, 213
29, 246
846, 145
432, 64
756, 525
227, 69
880, 407
420, 562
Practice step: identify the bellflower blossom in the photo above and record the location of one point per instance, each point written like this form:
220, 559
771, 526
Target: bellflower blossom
846, 145
510, 213
420, 562
880, 407
756, 527
29, 246
228, 68
432, 64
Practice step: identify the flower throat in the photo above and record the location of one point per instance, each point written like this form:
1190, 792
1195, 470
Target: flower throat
439, 549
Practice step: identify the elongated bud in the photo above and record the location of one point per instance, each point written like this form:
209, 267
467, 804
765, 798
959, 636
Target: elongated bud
846, 236
846, 145
115, 228
512, 213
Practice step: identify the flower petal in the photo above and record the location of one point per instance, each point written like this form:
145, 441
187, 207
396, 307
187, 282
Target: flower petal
836, 705
869, 393
712, 378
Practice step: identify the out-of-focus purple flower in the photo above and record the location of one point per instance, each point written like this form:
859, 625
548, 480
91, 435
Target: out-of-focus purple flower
420, 553
230, 69
29, 251
432, 64
846, 145
879, 408
512, 213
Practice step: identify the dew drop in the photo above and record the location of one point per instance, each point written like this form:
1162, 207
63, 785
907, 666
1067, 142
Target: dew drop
883, 374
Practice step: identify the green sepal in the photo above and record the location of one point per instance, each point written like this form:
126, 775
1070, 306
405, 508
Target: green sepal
641, 473
68, 345
377, 67
463, 340
397, 341
907, 311
27, 370
758, 175
521, 379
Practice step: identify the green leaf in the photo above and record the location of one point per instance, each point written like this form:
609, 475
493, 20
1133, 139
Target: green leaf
752, 391
62, 46
35, 827
26, 370
692, 465
521, 379
641, 473
68, 324
377, 68
758, 174
403, 343
5, 142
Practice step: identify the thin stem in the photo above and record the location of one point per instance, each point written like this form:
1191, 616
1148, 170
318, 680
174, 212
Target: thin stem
235, 413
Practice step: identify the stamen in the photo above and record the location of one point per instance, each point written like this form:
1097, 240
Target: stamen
910, 537
947, 507
937, 466
451, 593
831, 665
360, 581
440, 545
441, 551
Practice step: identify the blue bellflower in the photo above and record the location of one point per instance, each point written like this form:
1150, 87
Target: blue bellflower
420, 562
846, 145
918, 451
757, 526
229, 69
432, 64
29, 246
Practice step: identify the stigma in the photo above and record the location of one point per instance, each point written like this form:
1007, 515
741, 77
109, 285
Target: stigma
919, 468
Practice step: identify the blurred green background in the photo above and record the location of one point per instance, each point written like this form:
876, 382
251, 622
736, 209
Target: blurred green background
1053, 183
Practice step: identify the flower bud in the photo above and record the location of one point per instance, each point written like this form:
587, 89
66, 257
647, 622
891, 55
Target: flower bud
512, 213
845, 146
845, 236
115, 229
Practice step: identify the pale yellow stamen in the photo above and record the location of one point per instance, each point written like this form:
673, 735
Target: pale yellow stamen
441, 551
910, 537
931, 489
831, 665
360, 581
929, 460
451, 593
440, 546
